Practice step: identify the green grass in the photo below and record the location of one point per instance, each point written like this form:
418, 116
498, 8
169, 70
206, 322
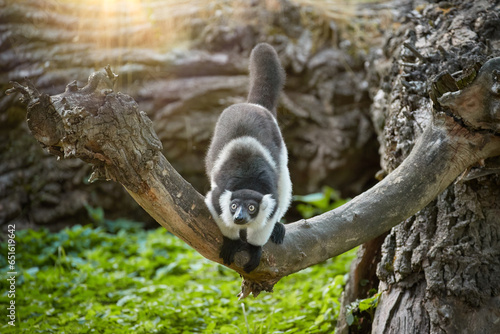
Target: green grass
88, 280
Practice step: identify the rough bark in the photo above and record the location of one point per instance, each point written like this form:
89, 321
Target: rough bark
183, 65
440, 268
107, 130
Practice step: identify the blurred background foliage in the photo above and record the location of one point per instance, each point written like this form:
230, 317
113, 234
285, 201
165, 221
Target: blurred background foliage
116, 277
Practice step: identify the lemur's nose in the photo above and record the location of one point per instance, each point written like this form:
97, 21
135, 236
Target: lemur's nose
239, 221
240, 217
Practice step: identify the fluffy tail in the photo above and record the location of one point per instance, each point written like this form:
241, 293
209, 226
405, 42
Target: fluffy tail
266, 77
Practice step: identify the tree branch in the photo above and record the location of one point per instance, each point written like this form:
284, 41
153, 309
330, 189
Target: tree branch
106, 129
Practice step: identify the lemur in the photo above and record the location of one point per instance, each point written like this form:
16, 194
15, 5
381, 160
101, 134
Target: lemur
247, 165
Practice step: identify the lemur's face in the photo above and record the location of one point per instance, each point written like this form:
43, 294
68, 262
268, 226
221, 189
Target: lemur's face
243, 210
246, 207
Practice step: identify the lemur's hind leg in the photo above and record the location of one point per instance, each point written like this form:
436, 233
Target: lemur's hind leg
255, 253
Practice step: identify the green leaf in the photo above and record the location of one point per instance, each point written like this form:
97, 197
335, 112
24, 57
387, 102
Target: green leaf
311, 198
364, 305
32, 271
317, 203
125, 299
369, 303
96, 214
349, 318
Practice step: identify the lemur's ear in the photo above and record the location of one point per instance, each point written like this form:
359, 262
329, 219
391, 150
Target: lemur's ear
267, 202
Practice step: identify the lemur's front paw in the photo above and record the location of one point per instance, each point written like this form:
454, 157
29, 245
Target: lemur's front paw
255, 253
229, 249
278, 234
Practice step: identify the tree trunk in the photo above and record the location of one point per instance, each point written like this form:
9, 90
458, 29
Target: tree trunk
183, 65
440, 269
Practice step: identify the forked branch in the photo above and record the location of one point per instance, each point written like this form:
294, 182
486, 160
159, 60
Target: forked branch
107, 130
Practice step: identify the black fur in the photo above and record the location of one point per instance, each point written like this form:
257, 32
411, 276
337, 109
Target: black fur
266, 77
247, 170
255, 253
241, 120
229, 249
278, 234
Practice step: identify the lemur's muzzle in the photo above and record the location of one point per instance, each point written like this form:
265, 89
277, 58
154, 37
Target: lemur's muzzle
240, 216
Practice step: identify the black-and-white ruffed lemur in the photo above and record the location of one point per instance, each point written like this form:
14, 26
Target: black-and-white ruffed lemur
247, 165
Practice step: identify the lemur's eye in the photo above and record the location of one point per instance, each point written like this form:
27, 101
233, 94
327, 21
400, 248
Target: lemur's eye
251, 208
233, 206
